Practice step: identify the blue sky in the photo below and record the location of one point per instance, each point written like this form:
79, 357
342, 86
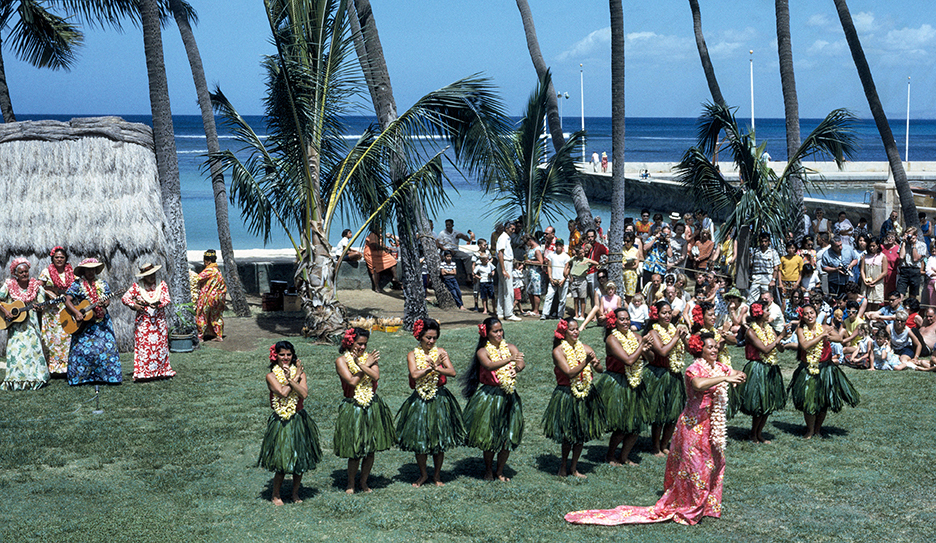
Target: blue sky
429, 43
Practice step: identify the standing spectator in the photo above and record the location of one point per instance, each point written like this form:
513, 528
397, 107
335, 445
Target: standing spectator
484, 271
845, 229
891, 225
518, 275
549, 241
791, 271
575, 237
656, 256
604, 162
874, 272
822, 247
810, 272
447, 240
931, 276
644, 224
536, 280
598, 254
578, 267
862, 228
702, 250
820, 223
505, 258
891, 251
449, 272
558, 284
912, 253
483, 250
596, 160
861, 249
926, 230
807, 224
838, 262
765, 268
679, 245
602, 238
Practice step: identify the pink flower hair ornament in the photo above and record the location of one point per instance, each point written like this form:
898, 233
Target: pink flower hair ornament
418, 327
653, 313
17, 262
698, 315
611, 320
561, 329
347, 340
695, 344
273, 353
56, 249
482, 330
757, 309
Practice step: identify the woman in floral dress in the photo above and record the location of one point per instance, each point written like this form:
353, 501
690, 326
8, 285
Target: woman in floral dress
26, 364
696, 463
210, 305
56, 279
92, 356
151, 329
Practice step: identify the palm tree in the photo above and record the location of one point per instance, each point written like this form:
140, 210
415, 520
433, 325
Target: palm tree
790, 107
167, 163
304, 174
703, 53
525, 185
47, 40
184, 16
616, 227
579, 198
763, 200
907, 205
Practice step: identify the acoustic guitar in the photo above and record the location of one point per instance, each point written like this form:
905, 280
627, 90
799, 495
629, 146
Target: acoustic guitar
67, 320
19, 310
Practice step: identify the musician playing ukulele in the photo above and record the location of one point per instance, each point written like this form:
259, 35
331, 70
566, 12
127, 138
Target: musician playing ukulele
93, 355
25, 363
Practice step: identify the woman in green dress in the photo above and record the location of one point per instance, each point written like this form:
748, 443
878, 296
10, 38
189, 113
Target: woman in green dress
26, 363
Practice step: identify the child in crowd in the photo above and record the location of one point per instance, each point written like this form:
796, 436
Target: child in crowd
863, 354
578, 287
884, 356
638, 312
476, 259
609, 300
517, 277
449, 271
484, 277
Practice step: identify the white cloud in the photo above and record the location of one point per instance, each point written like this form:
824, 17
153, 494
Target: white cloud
597, 41
831, 49
745, 34
864, 22
724, 49
818, 20
911, 38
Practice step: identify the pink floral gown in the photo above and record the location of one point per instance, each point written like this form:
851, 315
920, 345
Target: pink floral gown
151, 334
694, 468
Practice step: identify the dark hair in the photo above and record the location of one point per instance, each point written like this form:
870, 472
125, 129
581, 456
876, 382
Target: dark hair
630, 235
706, 306
447, 253
60, 250
789, 244
617, 315
470, 379
762, 236
912, 305
642, 211
659, 307
429, 324
357, 333
568, 321
211, 255
280, 345
591, 231
345, 232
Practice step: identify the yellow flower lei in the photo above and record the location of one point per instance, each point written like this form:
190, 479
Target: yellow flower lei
285, 408
575, 356
428, 384
814, 354
507, 382
364, 390
767, 336
629, 343
677, 356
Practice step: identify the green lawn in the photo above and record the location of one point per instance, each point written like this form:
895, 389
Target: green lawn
175, 461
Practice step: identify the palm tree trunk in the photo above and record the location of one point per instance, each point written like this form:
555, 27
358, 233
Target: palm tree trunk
579, 198
231, 277
790, 108
167, 163
6, 105
616, 227
378, 81
703, 54
907, 205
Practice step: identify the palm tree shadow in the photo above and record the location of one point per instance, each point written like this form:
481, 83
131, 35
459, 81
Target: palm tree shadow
305, 492
375, 482
800, 429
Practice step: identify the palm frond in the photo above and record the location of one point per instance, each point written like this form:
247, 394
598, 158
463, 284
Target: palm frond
44, 39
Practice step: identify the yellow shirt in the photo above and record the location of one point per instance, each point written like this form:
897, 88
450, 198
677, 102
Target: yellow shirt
791, 267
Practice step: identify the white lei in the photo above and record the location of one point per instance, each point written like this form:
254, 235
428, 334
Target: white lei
718, 411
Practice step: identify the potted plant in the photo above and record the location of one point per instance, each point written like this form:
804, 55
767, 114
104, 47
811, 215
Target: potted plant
183, 336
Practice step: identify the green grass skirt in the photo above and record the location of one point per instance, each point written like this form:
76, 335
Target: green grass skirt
626, 408
290, 446
830, 389
360, 431
667, 395
494, 420
430, 427
571, 420
763, 392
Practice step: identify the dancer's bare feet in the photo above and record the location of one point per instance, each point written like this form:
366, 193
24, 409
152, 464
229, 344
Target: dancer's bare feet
365, 488
503, 479
489, 476
764, 441
439, 483
277, 501
612, 461
562, 472
661, 453
296, 499
419, 482
349, 490
580, 475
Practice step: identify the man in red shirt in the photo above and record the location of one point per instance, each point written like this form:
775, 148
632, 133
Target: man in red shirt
597, 251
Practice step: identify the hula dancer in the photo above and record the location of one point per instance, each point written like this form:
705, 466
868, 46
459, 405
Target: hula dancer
763, 392
703, 320
494, 414
669, 391
430, 420
818, 384
575, 413
291, 443
365, 423
624, 391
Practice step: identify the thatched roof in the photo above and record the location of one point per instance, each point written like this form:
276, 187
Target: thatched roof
89, 185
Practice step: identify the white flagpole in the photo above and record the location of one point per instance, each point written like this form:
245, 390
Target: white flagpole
752, 89
582, 94
907, 137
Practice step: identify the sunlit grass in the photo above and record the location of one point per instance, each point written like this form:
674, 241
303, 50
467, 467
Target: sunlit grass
174, 461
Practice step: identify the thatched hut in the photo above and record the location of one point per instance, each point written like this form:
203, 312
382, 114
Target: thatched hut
89, 185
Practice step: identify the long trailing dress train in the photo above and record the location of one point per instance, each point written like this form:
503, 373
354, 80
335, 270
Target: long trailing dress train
695, 465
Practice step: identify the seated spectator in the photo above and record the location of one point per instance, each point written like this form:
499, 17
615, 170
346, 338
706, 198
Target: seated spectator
638, 312
888, 312
448, 270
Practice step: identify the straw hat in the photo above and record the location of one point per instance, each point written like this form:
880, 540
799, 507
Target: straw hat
148, 269
675, 217
90, 264
734, 293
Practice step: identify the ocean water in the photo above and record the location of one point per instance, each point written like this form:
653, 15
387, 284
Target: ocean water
647, 140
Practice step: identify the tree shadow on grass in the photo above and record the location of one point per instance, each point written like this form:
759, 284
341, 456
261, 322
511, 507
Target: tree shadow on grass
375, 482
798, 430
305, 492
473, 467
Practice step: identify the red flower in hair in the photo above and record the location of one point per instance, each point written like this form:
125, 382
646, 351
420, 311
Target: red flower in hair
653, 313
561, 329
55, 249
348, 339
418, 328
757, 309
799, 311
695, 344
610, 320
272, 353
482, 330
698, 315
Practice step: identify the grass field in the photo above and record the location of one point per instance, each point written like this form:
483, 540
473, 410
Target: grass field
175, 461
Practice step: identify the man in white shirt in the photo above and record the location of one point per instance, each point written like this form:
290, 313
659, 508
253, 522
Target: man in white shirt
820, 223
558, 283
447, 240
352, 255
676, 303
774, 313
505, 258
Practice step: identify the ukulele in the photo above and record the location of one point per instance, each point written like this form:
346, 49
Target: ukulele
18, 310
67, 320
